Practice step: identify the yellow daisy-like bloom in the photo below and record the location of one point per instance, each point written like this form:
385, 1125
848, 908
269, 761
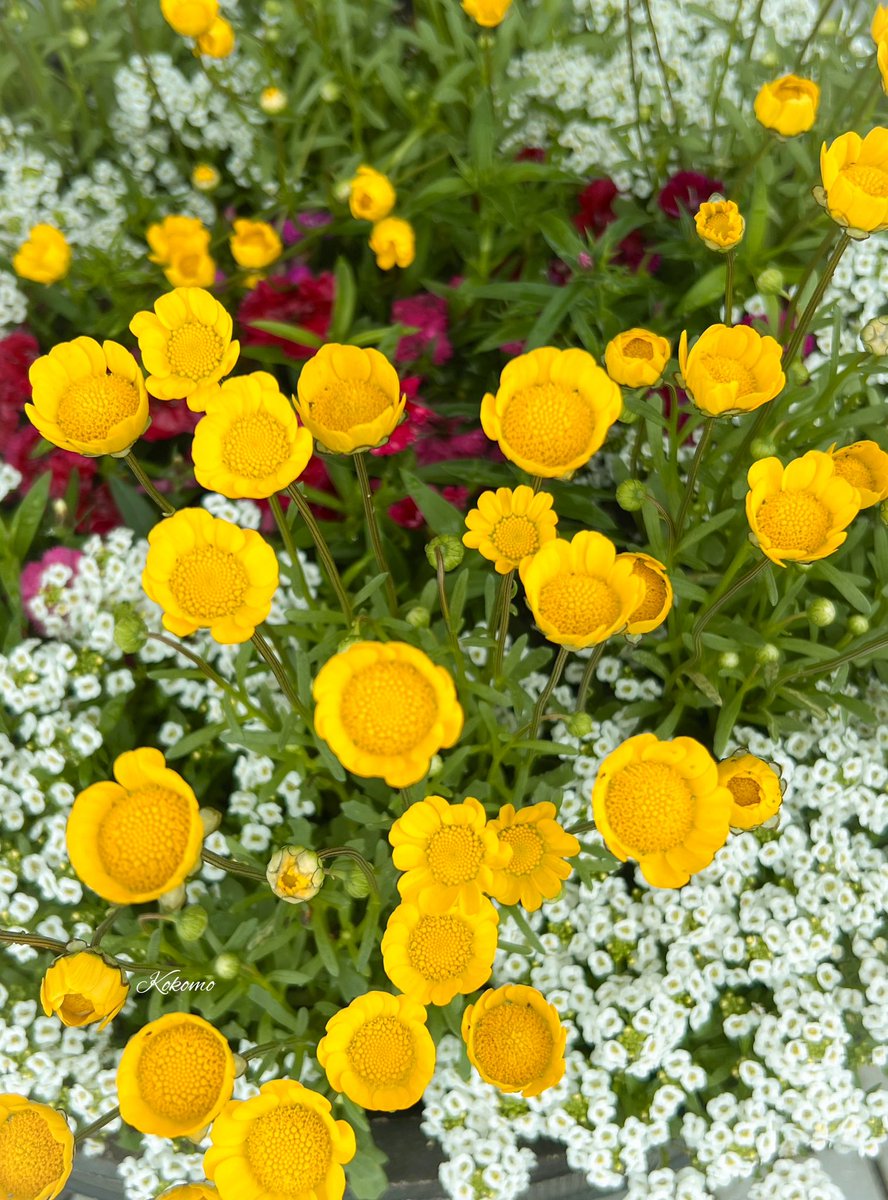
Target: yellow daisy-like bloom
515, 1039
82, 989
448, 851
249, 443
255, 244
865, 466
393, 241
190, 1191
174, 1076
186, 345
720, 225
854, 171
191, 270
280, 1145
637, 358
190, 18
205, 177
45, 257
799, 513
661, 804
788, 105
349, 398
88, 398
218, 41
206, 573
552, 410
379, 1052
372, 196
384, 708
135, 839
657, 600
731, 369
176, 235
539, 847
486, 13
510, 525
433, 956
36, 1150
755, 789
581, 592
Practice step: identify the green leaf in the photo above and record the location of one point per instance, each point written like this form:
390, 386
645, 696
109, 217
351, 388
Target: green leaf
442, 517
344, 304
191, 741
708, 288
292, 333
727, 719
136, 509
843, 585
28, 516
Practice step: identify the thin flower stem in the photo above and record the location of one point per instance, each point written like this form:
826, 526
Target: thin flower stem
663, 73
139, 471
692, 481
356, 857
720, 82
751, 163
547, 691
636, 91
503, 611
586, 681
706, 616
111, 1115
670, 524
232, 866
807, 316
264, 1047
204, 667
536, 483
812, 34
297, 574
323, 550
455, 647
834, 663
373, 530
278, 670
582, 827
813, 264
729, 288
103, 927
14, 938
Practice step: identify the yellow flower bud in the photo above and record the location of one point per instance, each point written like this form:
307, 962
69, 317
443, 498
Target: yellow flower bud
487, 13
254, 244
393, 242
218, 41
45, 257
295, 874
854, 171
788, 105
371, 195
272, 100
720, 225
205, 177
190, 18
82, 989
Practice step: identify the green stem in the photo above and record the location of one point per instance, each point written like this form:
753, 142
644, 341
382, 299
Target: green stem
206, 670
729, 288
692, 479
815, 29
323, 550
356, 857
231, 866
501, 624
296, 572
706, 616
751, 163
547, 691
663, 73
264, 1047
455, 647
801, 329
139, 471
373, 530
813, 264
14, 938
636, 90
833, 663
103, 927
586, 681
277, 669
98, 1124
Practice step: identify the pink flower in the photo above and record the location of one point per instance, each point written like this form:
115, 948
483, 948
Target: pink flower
33, 572
297, 298
428, 315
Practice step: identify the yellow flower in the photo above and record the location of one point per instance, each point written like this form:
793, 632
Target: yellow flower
255, 244
879, 27
637, 358
865, 466
371, 195
487, 13
190, 1191
249, 443
190, 18
661, 803
581, 592
432, 956
882, 62
798, 513
272, 100
186, 345
175, 236
539, 847
135, 839
36, 1150
510, 525
82, 989
349, 398
205, 177
280, 1145
755, 790
720, 224
393, 242
295, 874
191, 271
379, 1052
515, 1040
206, 573
788, 105
218, 41
657, 599
174, 1076
731, 370
552, 410
384, 709
854, 171
45, 257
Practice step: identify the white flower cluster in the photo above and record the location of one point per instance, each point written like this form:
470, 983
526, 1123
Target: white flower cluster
857, 291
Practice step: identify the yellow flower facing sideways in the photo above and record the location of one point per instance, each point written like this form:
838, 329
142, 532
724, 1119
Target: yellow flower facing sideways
255, 244
509, 525
552, 410
799, 513
371, 195
349, 398
755, 788
720, 225
393, 241
637, 358
82, 988
36, 1150
486, 13
190, 18
539, 847
731, 369
657, 600
378, 1052
44, 257
515, 1039
879, 27
865, 466
180, 245
218, 41
854, 171
788, 105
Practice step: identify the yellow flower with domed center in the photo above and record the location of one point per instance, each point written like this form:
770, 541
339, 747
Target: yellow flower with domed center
657, 600
854, 171
661, 804
186, 345
190, 1191
190, 18
447, 852
249, 443
637, 358
433, 956
218, 41
378, 1052
191, 270
552, 410
384, 708
371, 197
44, 257
393, 241
581, 592
755, 789
719, 224
539, 847
799, 513
515, 1039
865, 466
731, 369
280, 1145
174, 1076
788, 105
486, 13
206, 573
88, 398
82, 988
510, 525
36, 1150
135, 839
349, 398
255, 244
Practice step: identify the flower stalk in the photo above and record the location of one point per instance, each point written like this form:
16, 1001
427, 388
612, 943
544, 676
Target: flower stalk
330, 568
373, 530
99, 1123
139, 471
279, 671
296, 572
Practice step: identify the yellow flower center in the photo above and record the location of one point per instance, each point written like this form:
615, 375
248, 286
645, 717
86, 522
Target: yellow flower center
650, 807
654, 593
578, 604
720, 224
388, 708
513, 1043
638, 348
790, 91
382, 1051
255, 445
195, 350
292, 882
548, 424
515, 537
180, 1073
75, 1007
208, 583
794, 521
857, 473
440, 948
722, 369
527, 848
188, 265
90, 408
143, 837
345, 403
289, 1150
454, 854
30, 1157
745, 791
870, 179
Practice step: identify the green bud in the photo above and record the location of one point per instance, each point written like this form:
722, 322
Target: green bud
418, 617
174, 899
821, 612
272, 34
767, 654
798, 372
350, 639
580, 725
628, 416
729, 660
858, 625
356, 882
874, 336
436, 766
227, 966
191, 923
631, 495
211, 819
452, 551
78, 37
770, 281
770, 59
883, 512
829, 28
342, 190
273, 8
762, 448
330, 91
130, 631
75, 946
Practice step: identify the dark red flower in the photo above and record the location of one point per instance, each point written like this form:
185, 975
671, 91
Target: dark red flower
169, 418
17, 352
596, 206
687, 190
18, 451
298, 298
531, 154
406, 514
428, 315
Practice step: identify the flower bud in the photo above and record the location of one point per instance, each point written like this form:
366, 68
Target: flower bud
821, 612
205, 177
191, 923
452, 551
227, 966
858, 625
272, 100
172, 900
436, 766
729, 660
628, 416
240, 1065
82, 989
580, 725
798, 372
342, 190
631, 495
78, 38
295, 874
356, 882
211, 819
874, 336
761, 448
330, 91
418, 617
273, 8
130, 631
75, 945
770, 59
883, 512
272, 34
767, 654
770, 281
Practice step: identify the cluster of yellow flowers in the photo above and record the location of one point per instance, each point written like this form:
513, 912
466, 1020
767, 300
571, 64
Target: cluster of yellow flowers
181, 245
371, 197
201, 20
